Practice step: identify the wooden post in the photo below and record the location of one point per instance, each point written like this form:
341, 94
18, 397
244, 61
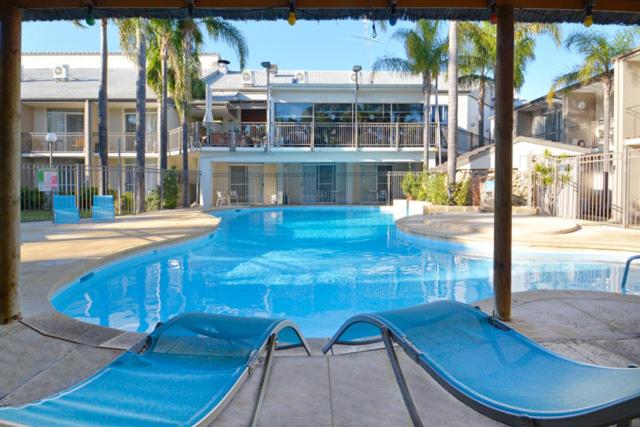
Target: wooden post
10, 38
503, 162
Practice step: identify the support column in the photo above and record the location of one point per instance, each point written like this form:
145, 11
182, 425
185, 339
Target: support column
503, 162
88, 143
10, 39
206, 184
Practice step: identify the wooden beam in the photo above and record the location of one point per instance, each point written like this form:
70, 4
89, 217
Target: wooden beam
575, 5
503, 162
10, 39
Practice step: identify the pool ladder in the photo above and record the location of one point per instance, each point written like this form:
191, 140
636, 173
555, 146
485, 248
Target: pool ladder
627, 266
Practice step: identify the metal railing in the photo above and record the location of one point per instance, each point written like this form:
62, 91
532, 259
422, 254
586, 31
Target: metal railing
246, 134
603, 187
261, 188
35, 142
125, 142
163, 189
292, 134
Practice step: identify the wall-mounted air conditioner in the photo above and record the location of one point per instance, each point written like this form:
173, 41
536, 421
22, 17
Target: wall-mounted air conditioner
300, 77
248, 78
61, 72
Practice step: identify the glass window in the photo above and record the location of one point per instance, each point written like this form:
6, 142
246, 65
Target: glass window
61, 121
374, 113
293, 112
444, 113
333, 113
151, 122
407, 113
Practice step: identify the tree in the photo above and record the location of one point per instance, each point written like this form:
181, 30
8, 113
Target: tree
103, 135
188, 39
160, 55
478, 57
424, 49
133, 41
452, 124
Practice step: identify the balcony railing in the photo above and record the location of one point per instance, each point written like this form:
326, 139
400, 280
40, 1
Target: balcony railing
35, 142
244, 134
125, 142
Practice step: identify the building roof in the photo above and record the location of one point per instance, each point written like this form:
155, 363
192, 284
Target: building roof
257, 78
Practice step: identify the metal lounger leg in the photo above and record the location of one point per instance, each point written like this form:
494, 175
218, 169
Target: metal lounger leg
402, 383
271, 345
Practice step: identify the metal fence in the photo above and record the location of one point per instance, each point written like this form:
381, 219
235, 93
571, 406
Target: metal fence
252, 187
163, 188
594, 187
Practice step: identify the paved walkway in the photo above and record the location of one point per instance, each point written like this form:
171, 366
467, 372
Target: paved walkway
533, 231
49, 352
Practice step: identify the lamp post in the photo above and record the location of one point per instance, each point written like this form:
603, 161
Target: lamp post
269, 68
51, 138
356, 70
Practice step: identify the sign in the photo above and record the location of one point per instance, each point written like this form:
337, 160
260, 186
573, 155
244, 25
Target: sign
48, 180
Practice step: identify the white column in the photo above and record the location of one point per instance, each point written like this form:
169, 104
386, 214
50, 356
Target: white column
206, 184
88, 119
350, 178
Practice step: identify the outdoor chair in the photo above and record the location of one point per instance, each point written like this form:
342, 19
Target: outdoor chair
495, 370
221, 197
487, 194
233, 195
382, 197
65, 210
102, 209
182, 374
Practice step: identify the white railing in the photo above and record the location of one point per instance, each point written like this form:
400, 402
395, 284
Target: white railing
292, 134
175, 139
334, 135
125, 142
246, 134
35, 142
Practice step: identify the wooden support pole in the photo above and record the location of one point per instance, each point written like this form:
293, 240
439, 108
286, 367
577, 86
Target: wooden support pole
10, 38
503, 161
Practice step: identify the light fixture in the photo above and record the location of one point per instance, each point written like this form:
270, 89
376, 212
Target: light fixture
393, 16
588, 17
90, 19
190, 7
493, 15
291, 19
357, 68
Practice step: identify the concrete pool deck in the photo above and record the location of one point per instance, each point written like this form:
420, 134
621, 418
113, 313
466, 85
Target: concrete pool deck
48, 352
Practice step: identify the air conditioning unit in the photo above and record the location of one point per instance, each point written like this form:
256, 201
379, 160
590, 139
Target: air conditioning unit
300, 77
352, 77
61, 72
248, 78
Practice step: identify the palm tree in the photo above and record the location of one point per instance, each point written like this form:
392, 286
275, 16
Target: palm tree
133, 41
478, 56
452, 122
424, 50
160, 55
188, 39
598, 50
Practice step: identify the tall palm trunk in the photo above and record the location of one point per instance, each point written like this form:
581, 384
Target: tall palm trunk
606, 83
164, 135
141, 97
452, 120
426, 112
437, 127
186, 51
481, 114
103, 144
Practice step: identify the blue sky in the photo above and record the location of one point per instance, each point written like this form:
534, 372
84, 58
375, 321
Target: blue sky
327, 45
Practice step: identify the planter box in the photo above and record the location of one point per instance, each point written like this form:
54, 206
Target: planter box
434, 209
403, 208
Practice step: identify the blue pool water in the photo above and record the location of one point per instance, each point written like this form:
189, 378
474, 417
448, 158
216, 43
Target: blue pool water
316, 266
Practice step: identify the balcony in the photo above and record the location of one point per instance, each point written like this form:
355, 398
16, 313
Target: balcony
124, 143
67, 143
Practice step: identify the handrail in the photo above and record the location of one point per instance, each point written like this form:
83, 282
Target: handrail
627, 266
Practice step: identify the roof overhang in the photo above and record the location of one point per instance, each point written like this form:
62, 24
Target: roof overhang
604, 12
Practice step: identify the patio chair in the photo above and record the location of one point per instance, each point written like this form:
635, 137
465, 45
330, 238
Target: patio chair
233, 195
221, 196
102, 209
65, 210
184, 373
495, 370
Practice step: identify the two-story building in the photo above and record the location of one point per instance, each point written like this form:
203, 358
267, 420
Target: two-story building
302, 136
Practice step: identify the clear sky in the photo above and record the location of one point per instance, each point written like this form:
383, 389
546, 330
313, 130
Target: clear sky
327, 45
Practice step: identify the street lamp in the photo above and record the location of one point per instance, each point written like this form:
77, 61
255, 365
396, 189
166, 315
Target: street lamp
356, 70
269, 68
51, 138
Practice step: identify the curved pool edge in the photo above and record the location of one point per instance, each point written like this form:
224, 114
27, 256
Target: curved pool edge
50, 322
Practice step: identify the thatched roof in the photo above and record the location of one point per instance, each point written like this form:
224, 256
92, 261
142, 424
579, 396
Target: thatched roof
625, 12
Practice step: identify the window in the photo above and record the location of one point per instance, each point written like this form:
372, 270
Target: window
407, 113
444, 113
374, 113
293, 112
60, 121
334, 113
151, 122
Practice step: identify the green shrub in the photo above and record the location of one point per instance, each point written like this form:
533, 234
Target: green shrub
32, 198
152, 201
411, 184
461, 195
170, 190
126, 203
435, 188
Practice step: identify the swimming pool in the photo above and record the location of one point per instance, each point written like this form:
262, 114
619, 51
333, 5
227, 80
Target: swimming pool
316, 266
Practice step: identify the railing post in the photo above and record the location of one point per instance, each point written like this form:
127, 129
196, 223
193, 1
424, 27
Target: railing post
397, 136
313, 134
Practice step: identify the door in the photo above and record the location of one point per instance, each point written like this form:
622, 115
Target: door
326, 183
309, 187
239, 182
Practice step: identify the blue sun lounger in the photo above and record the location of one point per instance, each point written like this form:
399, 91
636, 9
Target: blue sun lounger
182, 374
496, 370
102, 209
65, 210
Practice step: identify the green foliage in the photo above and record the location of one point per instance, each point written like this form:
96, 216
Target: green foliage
152, 201
170, 189
126, 203
32, 198
461, 194
435, 188
411, 185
